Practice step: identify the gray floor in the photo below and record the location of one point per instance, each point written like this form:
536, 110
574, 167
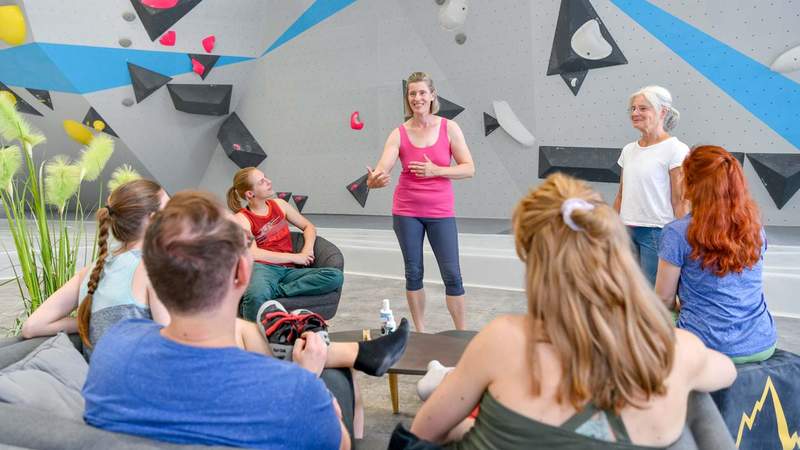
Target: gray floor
361, 301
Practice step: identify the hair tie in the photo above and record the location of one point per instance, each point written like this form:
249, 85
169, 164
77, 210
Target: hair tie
571, 204
110, 211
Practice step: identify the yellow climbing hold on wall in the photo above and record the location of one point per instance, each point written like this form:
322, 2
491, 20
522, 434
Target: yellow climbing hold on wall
78, 132
9, 96
12, 25
99, 125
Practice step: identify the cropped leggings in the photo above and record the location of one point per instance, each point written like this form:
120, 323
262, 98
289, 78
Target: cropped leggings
443, 237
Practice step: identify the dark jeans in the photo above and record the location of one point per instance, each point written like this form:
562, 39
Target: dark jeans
443, 236
268, 282
645, 242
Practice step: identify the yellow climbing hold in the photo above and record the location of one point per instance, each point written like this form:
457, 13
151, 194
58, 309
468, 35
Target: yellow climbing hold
12, 25
99, 125
78, 132
9, 96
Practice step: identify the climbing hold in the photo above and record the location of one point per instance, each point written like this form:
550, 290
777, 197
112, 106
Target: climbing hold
208, 43
168, 39
160, 4
511, 123
453, 14
355, 121
300, 201
788, 61
78, 132
588, 42
202, 63
197, 67
12, 25
99, 125
145, 81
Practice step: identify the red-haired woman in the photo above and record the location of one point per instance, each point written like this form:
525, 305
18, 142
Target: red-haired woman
713, 260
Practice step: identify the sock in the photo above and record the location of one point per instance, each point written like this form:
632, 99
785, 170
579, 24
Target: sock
375, 357
427, 384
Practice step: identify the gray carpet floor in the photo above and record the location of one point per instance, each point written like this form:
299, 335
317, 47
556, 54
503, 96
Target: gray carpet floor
361, 301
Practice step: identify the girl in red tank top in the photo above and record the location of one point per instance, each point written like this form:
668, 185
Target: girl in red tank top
271, 231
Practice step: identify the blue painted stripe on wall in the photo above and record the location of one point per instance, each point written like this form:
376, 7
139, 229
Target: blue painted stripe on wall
81, 69
316, 13
770, 96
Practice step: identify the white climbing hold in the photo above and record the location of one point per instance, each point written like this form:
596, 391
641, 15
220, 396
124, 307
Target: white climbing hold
789, 61
588, 42
453, 14
511, 123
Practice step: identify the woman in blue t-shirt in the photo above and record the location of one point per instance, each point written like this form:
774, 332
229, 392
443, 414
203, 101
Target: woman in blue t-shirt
713, 260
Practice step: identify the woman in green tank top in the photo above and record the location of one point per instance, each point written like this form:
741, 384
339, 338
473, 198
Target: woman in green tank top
594, 363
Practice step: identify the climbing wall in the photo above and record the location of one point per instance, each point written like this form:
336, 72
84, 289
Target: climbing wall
316, 88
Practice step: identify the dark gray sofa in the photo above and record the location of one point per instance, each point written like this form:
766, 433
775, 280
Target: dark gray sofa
23, 427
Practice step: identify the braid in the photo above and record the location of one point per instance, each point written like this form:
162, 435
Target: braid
85, 308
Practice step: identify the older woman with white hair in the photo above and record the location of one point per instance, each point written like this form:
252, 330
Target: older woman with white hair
650, 189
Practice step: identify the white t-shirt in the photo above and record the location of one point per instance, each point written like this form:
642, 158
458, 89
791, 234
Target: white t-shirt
646, 191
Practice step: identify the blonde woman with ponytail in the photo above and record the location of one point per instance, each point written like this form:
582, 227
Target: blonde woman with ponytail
594, 363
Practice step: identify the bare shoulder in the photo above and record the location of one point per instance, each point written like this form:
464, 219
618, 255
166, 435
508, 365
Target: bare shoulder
282, 204
507, 328
242, 220
689, 351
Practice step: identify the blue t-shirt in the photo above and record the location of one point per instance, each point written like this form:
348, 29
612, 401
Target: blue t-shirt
727, 313
144, 384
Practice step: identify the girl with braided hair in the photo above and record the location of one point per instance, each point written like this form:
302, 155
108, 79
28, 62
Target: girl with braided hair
116, 287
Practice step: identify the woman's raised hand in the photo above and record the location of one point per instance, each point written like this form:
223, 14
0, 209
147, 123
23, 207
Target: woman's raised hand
377, 178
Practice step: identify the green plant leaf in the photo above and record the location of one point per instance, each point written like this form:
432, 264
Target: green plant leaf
95, 156
10, 162
123, 174
61, 181
14, 127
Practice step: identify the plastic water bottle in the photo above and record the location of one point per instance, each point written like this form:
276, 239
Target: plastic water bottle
388, 324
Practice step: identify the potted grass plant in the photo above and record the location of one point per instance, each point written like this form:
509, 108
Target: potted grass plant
42, 207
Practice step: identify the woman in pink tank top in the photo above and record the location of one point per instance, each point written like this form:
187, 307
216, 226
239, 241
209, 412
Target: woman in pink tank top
423, 198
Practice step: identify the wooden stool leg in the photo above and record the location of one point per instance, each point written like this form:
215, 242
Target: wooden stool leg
393, 391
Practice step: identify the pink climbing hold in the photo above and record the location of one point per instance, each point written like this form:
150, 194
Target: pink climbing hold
354, 186
197, 67
355, 121
160, 4
208, 43
237, 147
168, 38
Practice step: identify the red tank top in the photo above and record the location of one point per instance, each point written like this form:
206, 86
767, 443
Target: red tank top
271, 231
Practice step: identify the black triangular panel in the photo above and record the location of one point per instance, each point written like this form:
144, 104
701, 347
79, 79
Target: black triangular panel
22, 105
300, 201
157, 21
447, 109
43, 96
574, 80
145, 81
207, 99
587, 163
93, 115
284, 196
571, 16
207, 61
739, 156
359, 189
780, 174
489, 124
239, 144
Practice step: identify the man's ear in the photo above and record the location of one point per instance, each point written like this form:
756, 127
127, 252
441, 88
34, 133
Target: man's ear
244, 267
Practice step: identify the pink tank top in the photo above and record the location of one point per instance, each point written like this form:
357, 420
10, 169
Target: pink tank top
424, 197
